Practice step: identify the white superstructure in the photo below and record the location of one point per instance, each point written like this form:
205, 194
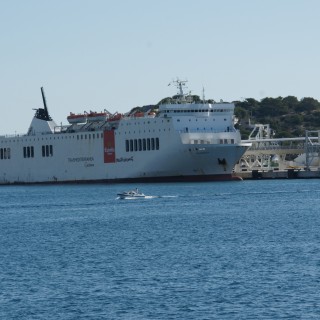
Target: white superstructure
182, 141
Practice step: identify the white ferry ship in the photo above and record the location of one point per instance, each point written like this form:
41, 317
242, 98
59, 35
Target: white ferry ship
180, 141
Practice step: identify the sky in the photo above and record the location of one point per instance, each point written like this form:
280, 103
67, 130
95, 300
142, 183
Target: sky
116, 55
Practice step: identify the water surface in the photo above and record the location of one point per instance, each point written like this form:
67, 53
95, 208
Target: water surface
229, 250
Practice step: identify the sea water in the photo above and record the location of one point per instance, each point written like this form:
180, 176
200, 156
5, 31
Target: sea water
223, 250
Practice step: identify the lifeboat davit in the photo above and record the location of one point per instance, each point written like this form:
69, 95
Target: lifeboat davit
138, 115
115, 117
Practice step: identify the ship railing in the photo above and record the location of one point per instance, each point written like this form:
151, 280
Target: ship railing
145, 116
273, 147
61, 128
15, 135
207, 130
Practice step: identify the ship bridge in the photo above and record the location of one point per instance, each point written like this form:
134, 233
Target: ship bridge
183, 104
196, 109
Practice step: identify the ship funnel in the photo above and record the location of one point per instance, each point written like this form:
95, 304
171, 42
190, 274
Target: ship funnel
43, 114
42, 122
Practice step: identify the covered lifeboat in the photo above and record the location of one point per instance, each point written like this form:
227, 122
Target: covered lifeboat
77, 118
91, 116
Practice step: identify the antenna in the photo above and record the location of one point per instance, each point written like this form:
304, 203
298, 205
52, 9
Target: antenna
179, 84
203, 96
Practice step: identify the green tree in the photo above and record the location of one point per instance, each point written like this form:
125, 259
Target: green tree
272, 107
291, 102
241, 113
249, 104
165, 101
293, 120
308, 105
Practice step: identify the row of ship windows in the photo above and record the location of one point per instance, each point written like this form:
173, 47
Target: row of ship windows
221, 141
89, 136
226, 141
139, 131
46, 150
142, 144
5, 153
79, 137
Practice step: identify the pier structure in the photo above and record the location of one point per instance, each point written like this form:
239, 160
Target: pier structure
312, 149
274, 157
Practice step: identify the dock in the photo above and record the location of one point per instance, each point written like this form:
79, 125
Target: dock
280, 158
274, 174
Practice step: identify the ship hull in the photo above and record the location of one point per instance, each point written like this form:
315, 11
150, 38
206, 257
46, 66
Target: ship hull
76, 160
170, 179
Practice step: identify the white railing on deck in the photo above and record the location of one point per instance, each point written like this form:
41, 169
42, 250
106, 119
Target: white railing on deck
185, 130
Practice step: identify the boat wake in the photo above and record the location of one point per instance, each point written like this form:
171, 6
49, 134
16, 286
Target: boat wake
167, 196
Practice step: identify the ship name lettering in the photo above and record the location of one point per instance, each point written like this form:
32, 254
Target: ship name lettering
87, 165
124, 159
81, 159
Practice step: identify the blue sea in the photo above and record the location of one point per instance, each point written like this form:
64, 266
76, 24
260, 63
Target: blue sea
222, 250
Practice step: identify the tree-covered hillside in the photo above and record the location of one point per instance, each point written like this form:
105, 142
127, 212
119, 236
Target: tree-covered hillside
288, 117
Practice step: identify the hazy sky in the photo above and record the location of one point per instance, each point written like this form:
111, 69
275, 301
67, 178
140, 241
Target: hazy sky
95, 54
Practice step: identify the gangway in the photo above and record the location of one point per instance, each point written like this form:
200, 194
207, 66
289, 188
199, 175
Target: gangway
268, 153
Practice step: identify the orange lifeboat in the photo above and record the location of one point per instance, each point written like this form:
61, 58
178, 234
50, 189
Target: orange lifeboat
96, 116
77, 118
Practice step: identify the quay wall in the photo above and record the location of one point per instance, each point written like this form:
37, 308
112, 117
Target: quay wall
283, 174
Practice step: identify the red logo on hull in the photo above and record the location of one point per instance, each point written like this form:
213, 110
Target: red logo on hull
109, 147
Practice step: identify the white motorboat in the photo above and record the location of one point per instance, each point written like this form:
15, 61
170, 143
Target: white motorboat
132, 194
